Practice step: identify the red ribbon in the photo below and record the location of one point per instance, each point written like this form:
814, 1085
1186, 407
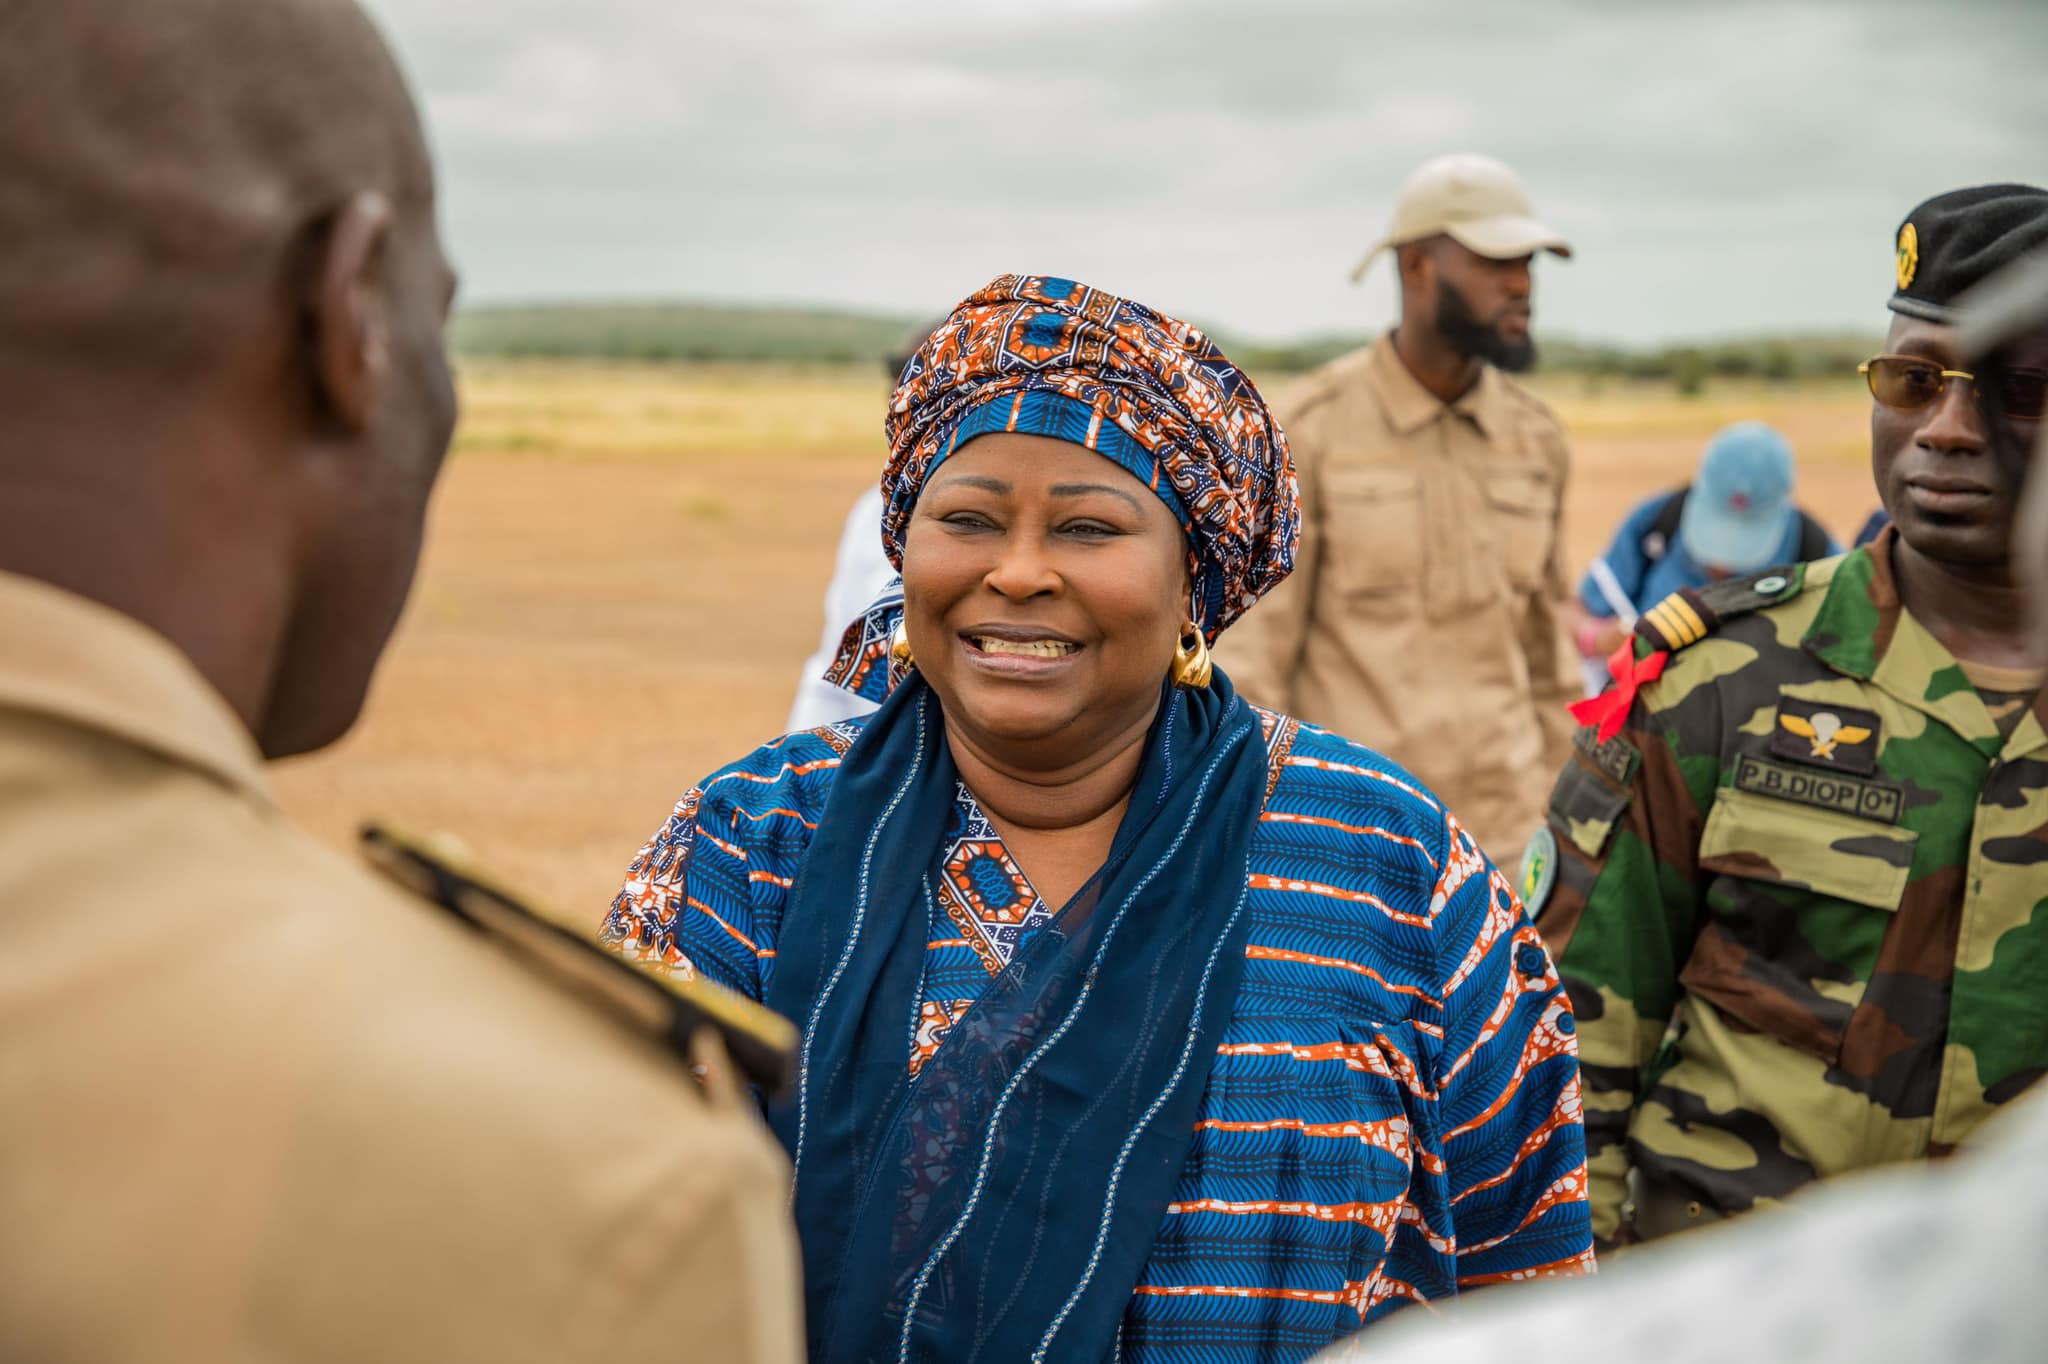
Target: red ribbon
1610, 708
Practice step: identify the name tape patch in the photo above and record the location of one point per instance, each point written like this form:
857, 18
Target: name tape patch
1617, 758
1862, 797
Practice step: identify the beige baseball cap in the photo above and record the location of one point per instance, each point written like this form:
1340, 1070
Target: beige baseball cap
1474, 200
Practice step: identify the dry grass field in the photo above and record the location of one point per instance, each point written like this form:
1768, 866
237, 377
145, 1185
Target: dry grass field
626, 564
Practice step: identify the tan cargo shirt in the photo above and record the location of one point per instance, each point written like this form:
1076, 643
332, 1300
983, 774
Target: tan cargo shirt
1424, 615
257, 1105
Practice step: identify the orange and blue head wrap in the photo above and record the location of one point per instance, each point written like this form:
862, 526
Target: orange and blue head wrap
1051, 357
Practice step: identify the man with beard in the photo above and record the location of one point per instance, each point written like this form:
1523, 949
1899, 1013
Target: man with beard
1425, 614
1794, 874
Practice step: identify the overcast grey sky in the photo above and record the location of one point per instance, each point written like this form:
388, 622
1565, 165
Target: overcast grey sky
1722, 167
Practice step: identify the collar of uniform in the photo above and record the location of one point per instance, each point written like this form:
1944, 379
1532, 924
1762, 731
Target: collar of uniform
1852, 632
87, 664
1410, 407
1863, 630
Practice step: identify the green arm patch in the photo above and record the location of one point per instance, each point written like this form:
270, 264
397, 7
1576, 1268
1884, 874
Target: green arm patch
1538, 876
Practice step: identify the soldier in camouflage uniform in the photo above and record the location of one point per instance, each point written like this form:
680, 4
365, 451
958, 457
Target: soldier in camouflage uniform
1796, 872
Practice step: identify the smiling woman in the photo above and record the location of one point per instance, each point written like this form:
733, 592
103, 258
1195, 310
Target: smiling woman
1137, 1021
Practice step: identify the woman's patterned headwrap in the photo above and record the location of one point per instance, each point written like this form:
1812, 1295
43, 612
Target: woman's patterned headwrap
1051, 357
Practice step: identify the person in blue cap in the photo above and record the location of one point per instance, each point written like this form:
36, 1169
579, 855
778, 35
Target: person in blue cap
1735, 517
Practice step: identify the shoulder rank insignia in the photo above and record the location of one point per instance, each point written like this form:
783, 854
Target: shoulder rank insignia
762, 1043
1681, 620
1689, 615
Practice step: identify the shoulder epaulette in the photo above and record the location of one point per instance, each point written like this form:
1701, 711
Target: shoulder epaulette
1321, 384
761, 1043
1690, 614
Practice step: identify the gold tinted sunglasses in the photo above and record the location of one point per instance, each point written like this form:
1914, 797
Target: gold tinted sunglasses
1910, 383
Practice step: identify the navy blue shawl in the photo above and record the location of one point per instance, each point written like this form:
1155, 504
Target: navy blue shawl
1001, 1203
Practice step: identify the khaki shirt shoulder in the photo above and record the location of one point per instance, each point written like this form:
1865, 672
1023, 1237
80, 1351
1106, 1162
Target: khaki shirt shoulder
263, 1106
1424, 617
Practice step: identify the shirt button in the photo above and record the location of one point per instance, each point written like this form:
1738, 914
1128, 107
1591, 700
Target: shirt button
1567, 1024
1530, 961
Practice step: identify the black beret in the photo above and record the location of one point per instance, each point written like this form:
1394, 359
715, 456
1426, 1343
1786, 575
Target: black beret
1954, 240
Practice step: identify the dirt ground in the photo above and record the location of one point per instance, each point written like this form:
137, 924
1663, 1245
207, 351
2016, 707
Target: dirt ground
626, 565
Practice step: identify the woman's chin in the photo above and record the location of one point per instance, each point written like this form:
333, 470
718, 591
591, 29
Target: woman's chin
1012, 718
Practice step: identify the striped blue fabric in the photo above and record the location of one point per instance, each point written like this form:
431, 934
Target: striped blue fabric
1392, 1116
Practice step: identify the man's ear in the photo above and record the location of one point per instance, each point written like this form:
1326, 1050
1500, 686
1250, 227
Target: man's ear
1413, 261
350, 326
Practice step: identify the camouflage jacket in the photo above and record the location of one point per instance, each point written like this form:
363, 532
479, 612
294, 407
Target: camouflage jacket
1800, 900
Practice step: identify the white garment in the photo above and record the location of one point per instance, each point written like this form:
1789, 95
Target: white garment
858, 577
1594, 670
1925, 1261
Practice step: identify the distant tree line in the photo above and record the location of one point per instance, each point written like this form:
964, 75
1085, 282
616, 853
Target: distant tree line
678, 331
816, 336
1777, 359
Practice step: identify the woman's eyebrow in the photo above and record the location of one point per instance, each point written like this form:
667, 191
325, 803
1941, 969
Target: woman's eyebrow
981, 481
1083, 489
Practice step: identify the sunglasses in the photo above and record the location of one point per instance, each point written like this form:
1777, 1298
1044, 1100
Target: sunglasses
1909, 383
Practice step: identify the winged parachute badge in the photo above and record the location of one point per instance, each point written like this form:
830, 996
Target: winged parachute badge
1824, 730
1826, 734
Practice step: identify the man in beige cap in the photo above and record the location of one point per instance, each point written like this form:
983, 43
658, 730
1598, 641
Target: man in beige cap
1425, 614
254, 1103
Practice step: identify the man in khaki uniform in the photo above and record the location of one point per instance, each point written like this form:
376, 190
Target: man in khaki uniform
257, 1105
1425, 613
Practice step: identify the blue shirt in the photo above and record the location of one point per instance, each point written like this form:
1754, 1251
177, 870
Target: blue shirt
1648, 583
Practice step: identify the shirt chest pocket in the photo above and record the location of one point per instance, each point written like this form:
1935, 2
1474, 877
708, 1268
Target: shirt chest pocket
1801, 847
1372, 530
1800, 901
1523, 501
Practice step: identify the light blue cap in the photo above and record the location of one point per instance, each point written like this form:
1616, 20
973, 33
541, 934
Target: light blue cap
1740, 509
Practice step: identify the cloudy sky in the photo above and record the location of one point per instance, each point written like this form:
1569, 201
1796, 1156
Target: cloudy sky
1722, 167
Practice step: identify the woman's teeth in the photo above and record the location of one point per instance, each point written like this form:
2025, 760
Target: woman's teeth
1037, 648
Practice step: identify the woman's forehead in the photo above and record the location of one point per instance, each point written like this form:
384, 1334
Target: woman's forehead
1037, 464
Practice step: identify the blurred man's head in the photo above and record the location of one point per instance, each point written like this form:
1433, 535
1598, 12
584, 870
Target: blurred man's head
1465, 236
1952, 502
223, 391
1740, 510
2003, 335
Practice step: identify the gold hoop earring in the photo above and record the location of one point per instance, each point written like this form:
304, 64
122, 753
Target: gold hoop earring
1191, 666
899, 647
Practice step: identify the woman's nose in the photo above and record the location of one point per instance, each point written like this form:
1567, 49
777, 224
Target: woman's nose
1023, 569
